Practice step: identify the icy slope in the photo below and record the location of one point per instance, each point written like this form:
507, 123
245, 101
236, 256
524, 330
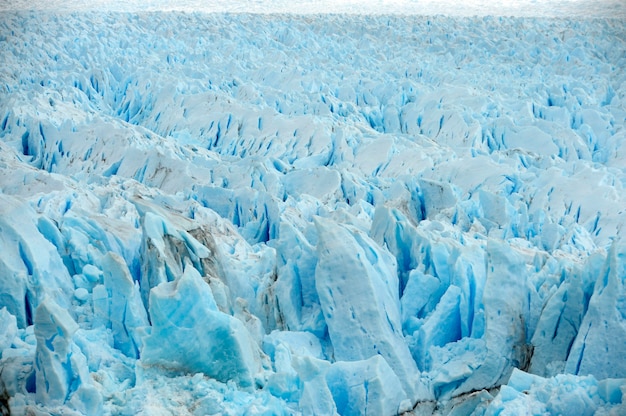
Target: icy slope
229, 214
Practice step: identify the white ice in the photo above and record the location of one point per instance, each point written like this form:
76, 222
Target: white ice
521, 8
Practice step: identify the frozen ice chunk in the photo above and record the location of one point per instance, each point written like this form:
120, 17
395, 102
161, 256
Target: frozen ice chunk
54, 329
454, 363
88, 237
254, 212
441, 327
611, 390
190, 334
165, 248
126, 313
295, 284
564, 394
81, 294
558, 326
532, 139
92, 273
392, 229
472, 404
321, 182
357, 285
299, 343
8, 329
316, 398
435, 196
421, 292
497, 210
506, 313
600, 346
285, 382
62, 375
366, 387
30, 266
373, 155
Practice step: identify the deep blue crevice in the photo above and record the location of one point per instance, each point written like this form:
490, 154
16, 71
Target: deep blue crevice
25, 258
5, 121
26, 151
112, 170
28, 310
31, 383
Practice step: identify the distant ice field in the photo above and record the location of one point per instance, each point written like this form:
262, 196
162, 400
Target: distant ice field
286, 213
527, 8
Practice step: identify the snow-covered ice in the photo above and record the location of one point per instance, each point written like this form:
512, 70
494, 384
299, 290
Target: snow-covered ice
526, 8
276, 213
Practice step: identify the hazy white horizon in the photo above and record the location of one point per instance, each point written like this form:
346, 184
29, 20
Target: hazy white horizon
522, 8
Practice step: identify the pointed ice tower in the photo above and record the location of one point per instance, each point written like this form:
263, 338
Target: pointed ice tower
62, 376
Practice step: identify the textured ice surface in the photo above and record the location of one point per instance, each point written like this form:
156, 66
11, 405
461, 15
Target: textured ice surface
563, 394
318, 214
545, 8
189, 333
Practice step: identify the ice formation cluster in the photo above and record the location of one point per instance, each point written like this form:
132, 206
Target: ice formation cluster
317, 214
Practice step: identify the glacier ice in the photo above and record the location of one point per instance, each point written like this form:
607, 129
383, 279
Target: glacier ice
190, 334
562, 394
213, 213
31, 266
597, 348
357, 288
368, 387
62, 375
121, 305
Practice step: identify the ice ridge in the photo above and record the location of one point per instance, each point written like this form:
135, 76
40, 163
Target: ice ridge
333, 214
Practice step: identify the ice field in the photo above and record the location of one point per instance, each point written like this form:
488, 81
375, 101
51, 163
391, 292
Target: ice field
315, 208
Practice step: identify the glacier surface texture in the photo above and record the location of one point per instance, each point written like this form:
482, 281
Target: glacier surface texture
311, 214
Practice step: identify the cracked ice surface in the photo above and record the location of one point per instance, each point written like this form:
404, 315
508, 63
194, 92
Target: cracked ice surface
316, 214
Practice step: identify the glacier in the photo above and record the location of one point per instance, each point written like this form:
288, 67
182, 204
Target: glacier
207, 212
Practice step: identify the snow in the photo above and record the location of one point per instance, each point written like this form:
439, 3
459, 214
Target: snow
312, 208
525, 8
